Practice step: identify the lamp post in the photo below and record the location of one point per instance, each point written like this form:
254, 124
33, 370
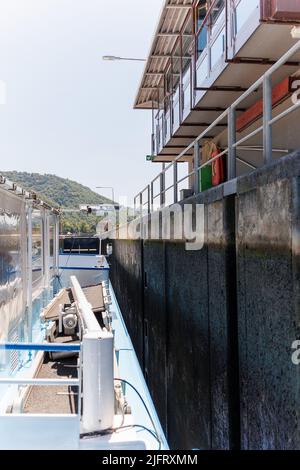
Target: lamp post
108, 187
113, 58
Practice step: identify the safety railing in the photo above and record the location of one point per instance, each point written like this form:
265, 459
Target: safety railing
45, 347
230, 152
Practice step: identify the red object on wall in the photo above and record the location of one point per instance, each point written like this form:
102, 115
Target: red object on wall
279, 93
218, 169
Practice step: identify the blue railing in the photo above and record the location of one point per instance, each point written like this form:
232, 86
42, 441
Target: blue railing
40, 347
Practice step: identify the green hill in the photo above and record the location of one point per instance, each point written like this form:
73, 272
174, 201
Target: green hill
63, 193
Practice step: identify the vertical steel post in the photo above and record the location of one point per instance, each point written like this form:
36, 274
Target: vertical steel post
153, 132
181, 96
162, 187
29, 274
267, 117
141, 204
56, 246
208, 37
149, 199
46, 249
152, 196
175, 177
196, 167
231, 167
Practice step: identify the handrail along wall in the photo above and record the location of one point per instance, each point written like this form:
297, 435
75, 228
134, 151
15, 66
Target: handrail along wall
230, 114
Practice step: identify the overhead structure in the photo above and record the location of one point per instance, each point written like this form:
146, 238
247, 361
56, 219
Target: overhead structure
173, 17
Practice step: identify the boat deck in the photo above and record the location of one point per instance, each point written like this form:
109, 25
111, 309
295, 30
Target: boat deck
56, 399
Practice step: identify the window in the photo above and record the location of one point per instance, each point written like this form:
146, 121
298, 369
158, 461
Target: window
242, 13
200, 28
216, 10
82, 246
37, 246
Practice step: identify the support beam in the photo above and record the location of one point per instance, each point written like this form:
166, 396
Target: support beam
222, 88
193, 137
216, 109
259, 61
200, 124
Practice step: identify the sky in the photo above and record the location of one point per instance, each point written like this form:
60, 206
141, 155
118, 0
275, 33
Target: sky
66, 111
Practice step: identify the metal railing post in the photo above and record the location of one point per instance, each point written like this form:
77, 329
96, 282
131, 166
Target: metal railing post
162, 187
152, 196
267, 117
196, 166
152, 144
175, 173
149, 199
141, 204
29, 274
231, 167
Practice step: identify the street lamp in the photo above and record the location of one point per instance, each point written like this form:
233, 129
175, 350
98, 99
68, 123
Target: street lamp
115, 58
108, 187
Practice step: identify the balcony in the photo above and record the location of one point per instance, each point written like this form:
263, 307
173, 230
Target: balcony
211, 64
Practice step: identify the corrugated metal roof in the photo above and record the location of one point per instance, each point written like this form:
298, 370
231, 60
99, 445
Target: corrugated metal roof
172, 19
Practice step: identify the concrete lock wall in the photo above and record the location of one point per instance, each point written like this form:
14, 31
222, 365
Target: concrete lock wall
268, 305
214, 328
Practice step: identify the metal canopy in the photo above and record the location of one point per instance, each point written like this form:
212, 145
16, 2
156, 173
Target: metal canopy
172, 19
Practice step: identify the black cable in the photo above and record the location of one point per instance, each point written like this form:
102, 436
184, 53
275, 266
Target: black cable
106, 432
145, 406
68, 259
113, 430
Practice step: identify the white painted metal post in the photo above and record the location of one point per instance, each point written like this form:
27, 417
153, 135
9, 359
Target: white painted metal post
29, 273
231, 167
162, 186
46, 249
56, 246
175, 177
141, 204
196, 166
98, 382
152, 196
267, 117
149, 198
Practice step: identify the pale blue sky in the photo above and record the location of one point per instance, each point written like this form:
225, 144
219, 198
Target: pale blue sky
67, 111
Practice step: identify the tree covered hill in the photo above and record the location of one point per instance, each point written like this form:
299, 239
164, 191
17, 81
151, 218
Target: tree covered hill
63, 193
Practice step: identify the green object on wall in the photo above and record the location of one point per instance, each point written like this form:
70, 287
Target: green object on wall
205, 178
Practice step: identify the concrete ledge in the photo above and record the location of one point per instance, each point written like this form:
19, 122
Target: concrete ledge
285, 167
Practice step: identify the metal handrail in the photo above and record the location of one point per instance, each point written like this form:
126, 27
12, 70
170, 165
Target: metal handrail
45, 347
41, 382
230, 114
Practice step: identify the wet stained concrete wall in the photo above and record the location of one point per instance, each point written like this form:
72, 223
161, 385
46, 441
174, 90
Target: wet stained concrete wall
127, 277
267, 209
213, 328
